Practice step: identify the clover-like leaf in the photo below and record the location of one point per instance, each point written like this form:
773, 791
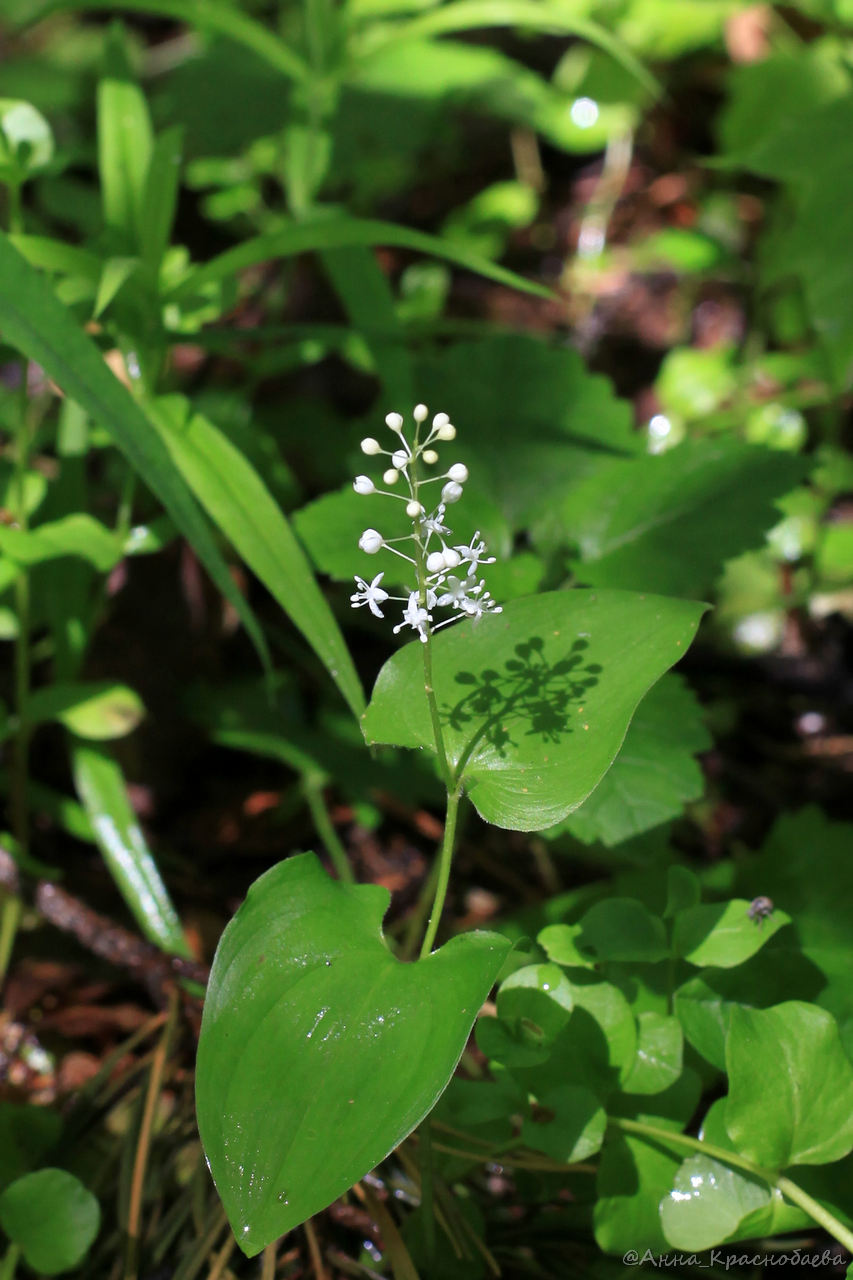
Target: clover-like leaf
319, 1050
723, 934
52, 1218
660, 1049
622, 929
790, 1086
534, 702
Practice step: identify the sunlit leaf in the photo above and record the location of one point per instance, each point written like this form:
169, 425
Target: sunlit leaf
534, 702
320, 1051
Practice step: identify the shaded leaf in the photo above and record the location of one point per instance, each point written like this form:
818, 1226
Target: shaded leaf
35, 322
669, 522
54, 1199
655, 773
90, 710
236, 498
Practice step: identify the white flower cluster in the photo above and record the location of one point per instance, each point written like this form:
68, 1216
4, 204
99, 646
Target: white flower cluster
436, 585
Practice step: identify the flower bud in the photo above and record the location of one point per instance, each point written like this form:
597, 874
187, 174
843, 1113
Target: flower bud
440, 420
435, 562
451, 492
446, 432
370, 541
458, 472
420, 413
363, 484
414, 509
400, 458
394, 421
430, 456
391, 476
370, 446
452, 558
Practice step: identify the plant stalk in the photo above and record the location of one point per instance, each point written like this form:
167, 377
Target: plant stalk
788, 1189
313, 793
445, 859
9, 1265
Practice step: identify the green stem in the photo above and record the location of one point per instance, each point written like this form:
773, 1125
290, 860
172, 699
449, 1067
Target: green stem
809, 1205
445, 858
9, 1265
10, 915
788, 1189
429, 690
313, 792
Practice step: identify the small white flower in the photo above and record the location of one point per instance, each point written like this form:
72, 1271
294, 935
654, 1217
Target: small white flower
391, 476
440, 420
475, 554
370, 446
435, 562
394, 421
430, 456
415, 616
451, 492
371, 594
433, 524
420, 413
452, 558
400, 458
455, 596
458, 472
363, 485
414, 509
370, 541
446, 432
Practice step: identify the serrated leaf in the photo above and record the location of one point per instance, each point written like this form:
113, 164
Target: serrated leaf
556, 422
534, 702
668, 522
790, 1086
319, 1051
655, 773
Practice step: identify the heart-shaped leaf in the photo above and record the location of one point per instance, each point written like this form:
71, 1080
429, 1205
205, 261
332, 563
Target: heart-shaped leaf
535, 702
790, 1086
319, 1050
52, 1218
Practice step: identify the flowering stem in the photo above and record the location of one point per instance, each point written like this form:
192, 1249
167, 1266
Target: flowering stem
445, 858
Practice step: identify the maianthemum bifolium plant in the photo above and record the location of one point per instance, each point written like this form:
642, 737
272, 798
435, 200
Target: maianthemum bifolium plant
660, 1072
321, 1053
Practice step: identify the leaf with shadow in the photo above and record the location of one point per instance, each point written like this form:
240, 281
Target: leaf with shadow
534, 702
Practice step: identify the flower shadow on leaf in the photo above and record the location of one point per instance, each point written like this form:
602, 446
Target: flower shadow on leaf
530, 696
